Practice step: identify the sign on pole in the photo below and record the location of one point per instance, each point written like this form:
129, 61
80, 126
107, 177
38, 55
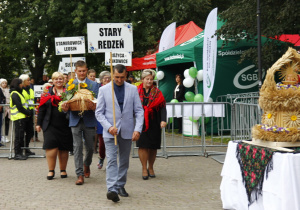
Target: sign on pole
109, 37
209, 53
68, 65
38, 90
69, 45
119, 58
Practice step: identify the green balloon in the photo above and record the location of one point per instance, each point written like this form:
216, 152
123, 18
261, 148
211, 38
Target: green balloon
170, 120
174, 101
189, 96
155, 78
193, 72
206, 120
194, 119
198, 98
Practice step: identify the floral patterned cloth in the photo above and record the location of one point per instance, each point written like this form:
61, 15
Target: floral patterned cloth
254, 161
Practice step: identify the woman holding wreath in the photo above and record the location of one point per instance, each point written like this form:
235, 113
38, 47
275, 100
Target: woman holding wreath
154, 105
58, 139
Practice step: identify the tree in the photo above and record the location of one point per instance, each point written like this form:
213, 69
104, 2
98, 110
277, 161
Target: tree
277, 17
30, 26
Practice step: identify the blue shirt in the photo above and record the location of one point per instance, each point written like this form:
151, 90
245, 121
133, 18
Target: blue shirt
120, 93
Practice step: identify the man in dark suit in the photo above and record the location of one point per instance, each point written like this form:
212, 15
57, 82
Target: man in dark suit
83, 127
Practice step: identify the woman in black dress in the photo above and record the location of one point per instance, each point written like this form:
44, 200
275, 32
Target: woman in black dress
179, 95
58, 139
155, 113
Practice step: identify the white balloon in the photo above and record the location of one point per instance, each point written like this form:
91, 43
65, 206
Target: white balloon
210, 100
160, 75
186, 73
188, 82
200, 75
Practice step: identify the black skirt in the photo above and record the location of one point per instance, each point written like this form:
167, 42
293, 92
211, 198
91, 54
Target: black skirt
58, 133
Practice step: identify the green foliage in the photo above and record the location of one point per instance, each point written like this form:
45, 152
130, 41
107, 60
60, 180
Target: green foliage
277, 17
28, 28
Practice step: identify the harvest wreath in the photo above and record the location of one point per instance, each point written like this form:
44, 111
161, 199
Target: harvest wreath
280, 102
78, 97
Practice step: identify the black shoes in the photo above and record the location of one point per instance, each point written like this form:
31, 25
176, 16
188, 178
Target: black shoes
51, 177
63, 176
100, 164
112, 196
151, 175
20, 157
28, 152
122, 192
145, 177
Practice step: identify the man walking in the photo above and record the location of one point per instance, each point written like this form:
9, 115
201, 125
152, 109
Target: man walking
83, 127
127, 107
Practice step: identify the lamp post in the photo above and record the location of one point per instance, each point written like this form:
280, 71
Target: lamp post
259, 46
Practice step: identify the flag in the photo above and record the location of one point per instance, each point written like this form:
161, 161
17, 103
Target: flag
167, 39
209, 53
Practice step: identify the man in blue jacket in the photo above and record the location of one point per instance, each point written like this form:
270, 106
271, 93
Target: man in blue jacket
83, 127
129, 116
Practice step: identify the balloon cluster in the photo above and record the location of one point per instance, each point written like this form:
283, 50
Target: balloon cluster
190, 75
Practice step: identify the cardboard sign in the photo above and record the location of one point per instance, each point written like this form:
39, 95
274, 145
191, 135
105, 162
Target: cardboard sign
38, 90
118, 58
69, 45
109, 37
67, 63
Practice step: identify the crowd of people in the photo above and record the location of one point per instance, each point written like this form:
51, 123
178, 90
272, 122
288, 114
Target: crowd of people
140, 114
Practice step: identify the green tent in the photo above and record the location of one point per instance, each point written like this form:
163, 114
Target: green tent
236, 77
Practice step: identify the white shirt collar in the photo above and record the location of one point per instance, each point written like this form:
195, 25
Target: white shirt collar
79, 81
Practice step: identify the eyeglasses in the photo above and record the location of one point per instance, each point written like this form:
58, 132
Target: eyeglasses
106, 78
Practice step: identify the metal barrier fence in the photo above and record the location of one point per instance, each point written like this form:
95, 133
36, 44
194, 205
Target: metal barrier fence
229, 100
199, 130
7, 151
245, 114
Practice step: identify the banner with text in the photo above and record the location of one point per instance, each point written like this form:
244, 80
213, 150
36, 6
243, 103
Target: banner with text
209, 53
67, 63
118, 58
109, 37
69, 45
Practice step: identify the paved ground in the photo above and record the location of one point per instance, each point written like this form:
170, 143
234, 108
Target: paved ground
190, 182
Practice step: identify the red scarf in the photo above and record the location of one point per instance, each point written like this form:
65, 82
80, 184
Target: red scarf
47, 96
156, 101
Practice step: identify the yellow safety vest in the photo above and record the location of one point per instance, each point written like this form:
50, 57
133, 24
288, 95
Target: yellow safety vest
29, 97
14, 112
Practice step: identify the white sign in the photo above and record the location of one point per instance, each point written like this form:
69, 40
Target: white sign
209, 53
69, 45
67, 63
109, 37
38, 90
118, 58
61, 68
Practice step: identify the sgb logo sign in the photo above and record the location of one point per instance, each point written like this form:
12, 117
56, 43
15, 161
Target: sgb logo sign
243, 76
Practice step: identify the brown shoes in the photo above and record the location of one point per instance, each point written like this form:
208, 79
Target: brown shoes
86, 171
80, 180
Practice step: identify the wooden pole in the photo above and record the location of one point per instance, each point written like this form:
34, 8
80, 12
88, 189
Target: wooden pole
113, 95
72, 74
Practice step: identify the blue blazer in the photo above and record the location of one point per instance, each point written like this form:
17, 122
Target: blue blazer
129, 120
88, 116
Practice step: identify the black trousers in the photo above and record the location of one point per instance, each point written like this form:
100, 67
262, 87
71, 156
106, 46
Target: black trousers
28, 130
7, 120
19, 135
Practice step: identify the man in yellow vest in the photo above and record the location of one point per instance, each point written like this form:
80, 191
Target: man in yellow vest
29, 98
19, 112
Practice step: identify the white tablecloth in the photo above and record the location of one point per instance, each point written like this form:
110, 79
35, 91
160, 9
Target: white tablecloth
196, 110
281, 191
